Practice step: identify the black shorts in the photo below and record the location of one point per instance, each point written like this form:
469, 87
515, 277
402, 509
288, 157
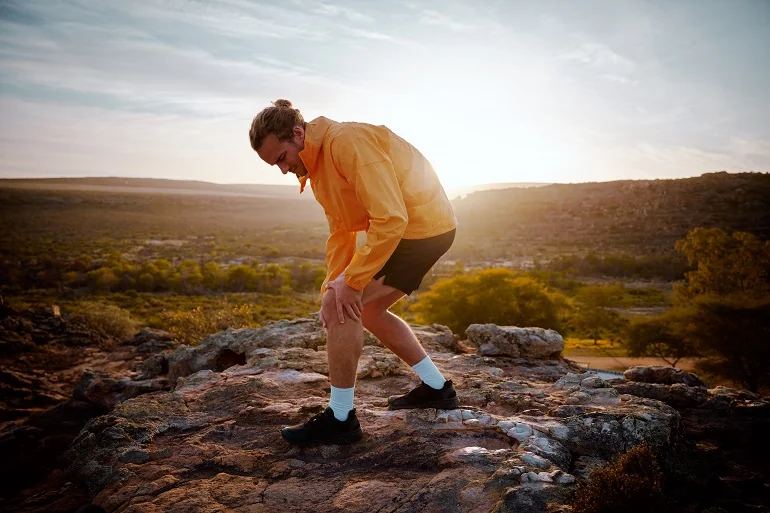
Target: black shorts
412, 260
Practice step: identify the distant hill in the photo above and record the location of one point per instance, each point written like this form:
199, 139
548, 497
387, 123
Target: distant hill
637, 216
155, 185
464, 191
165, 186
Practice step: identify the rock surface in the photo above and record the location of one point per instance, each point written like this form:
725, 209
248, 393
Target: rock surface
55, 374
197, 429
663, 375
213, 442
493, 340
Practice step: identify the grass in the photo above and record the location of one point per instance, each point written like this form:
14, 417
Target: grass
587, 347
632, 483
189, 318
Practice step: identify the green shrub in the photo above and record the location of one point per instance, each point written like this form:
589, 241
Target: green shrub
497, 295
108, 318
191, 326
633, 483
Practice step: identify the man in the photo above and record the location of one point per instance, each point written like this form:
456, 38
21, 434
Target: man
367, 179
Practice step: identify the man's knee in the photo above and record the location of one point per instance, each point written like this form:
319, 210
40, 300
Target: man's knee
329, 306
372, 315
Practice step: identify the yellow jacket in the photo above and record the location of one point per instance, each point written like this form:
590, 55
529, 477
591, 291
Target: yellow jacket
367, 178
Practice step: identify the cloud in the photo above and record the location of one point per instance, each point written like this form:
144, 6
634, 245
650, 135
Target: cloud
619, 79
138, 69
656, 160
429, 17
598, 55
13, 12
50, 139
336, 10
369, 34
181, 78
751, 147
441, 19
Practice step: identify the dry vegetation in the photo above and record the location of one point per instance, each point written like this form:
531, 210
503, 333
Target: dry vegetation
194, 258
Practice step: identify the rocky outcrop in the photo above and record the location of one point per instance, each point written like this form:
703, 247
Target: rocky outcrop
198, 429
677, 395
663, 375
493, 340
527, 430
151, 341
39, 327
299, 345
57, 373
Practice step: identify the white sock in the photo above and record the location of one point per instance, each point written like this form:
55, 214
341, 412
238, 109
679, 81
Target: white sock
429, 373
341, 402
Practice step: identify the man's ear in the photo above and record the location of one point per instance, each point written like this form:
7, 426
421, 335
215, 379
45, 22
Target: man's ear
299, 133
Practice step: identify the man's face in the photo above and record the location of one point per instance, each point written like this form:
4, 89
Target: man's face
285, 154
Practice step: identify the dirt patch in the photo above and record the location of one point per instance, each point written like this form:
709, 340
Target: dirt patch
621, 363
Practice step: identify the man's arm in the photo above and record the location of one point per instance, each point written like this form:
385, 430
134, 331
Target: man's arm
369, 170
340, 247
377, 188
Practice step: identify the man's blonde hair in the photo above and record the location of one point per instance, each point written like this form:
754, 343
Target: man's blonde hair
280, 120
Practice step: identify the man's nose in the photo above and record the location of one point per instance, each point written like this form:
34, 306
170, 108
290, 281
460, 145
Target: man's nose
283, 167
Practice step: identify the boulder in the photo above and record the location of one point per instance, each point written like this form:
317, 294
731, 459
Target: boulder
150, 340
662, 374
437, 338
677, 395
493, 340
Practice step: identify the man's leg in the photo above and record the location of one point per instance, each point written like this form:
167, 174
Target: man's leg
396, 335
345, 341
391, 330
344, 344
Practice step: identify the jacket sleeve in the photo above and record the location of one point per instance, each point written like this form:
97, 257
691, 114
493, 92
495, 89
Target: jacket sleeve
340, 247
377, 188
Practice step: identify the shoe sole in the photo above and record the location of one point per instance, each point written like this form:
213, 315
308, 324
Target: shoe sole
443, 404
345, 438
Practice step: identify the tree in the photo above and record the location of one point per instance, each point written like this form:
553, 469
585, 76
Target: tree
497, 296
306, 276
736, 336
103, 279
593, 315
724, 265
213, 276
82, 263
241, 278
723, 307
660, 336
273, 279
191, 278
145, 282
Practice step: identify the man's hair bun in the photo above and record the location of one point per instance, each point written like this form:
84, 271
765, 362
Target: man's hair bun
280, 119
282, 103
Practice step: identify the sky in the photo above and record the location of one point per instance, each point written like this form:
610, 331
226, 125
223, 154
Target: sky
489, 91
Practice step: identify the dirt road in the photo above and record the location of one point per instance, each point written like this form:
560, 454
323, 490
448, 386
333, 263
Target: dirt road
621, 363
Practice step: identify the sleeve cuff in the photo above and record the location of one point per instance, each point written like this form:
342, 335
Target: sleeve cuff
355, 284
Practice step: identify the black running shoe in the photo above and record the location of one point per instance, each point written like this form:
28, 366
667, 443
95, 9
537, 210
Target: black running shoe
324, 428
425, 396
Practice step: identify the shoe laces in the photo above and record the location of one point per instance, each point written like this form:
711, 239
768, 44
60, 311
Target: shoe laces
316, 418
417, 391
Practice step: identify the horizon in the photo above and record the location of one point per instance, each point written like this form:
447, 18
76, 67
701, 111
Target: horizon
291, 185
565, 94
453, 193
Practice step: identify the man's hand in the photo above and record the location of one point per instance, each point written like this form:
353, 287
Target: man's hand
348, 300
321, 317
